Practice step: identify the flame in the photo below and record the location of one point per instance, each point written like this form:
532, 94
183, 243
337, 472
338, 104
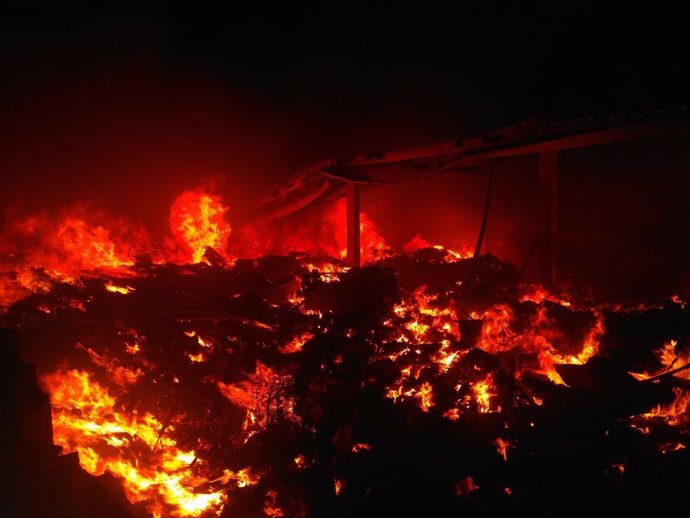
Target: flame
131, 446
373, 246
241, 478
423, 316
197, 222
670, 357
271, 508
260, 396
676, 412
424, 395
122, 290
196, 358
296, 343
119, 374
43, 249
667, 448
591, 343
496, 333
328, 272
465, 487
483, 392
502, 447
451, 255
538, 294
361, 446
540, 337
421, 337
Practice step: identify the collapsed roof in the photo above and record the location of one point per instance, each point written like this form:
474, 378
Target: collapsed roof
325, 180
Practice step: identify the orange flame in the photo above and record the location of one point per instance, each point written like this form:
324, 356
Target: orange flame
42, 249
132, 447
676, 412
258, 395
197, 221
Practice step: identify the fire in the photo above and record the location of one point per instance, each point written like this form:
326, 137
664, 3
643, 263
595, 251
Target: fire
43, 249
241, 478
591, 344
296, 343
540, 338
483, 393
119, 374
260, 396
496, 332
122, 290
502, 447
197, 222
465, 487
538, 294
132, 446
676, 412
424, 395
430, 363
373, 245
328, 272
271, 508
425, 317
667, 448
451, 255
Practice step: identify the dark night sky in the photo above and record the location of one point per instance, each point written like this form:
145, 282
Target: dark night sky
126, 108
305, 83
491, 65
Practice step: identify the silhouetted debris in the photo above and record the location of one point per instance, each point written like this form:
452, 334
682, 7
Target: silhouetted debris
345, 448
362, 293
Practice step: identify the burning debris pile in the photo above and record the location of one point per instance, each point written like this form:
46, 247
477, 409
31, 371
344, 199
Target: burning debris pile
426, 384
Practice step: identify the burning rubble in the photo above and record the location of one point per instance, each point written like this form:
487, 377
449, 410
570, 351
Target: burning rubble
195, 382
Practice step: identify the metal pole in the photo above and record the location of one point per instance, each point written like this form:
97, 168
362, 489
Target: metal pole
353, 245
548, 174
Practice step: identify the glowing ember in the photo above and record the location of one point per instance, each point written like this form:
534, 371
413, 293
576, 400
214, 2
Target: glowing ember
425, 396
261, 396
502, 447
296, 343
667, 448
483, 392
419, 243
271, 508
122, 290
538, 295
436, 353
465, 487
338, 486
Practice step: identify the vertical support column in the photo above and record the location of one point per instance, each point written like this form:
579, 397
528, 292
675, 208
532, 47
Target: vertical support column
548, 175
352, 191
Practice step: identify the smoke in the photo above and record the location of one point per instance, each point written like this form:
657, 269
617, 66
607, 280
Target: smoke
125, 127
127, 130
128, 138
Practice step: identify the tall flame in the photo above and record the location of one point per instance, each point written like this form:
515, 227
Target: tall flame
197, 221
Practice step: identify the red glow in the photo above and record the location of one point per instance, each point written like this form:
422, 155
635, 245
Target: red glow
197, 221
